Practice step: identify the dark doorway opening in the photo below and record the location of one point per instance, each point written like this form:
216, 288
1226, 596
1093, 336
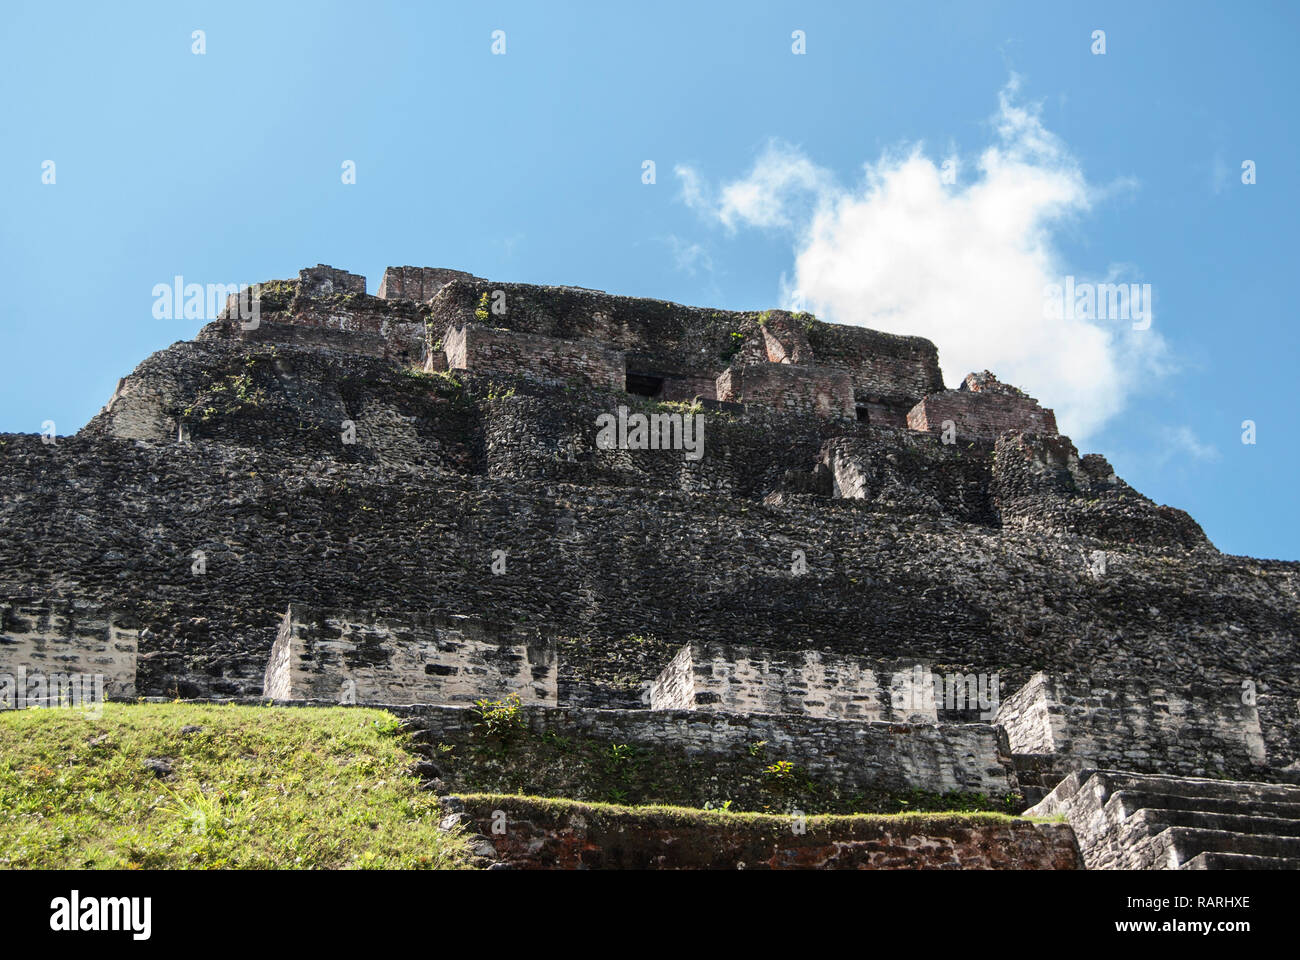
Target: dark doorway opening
644, 385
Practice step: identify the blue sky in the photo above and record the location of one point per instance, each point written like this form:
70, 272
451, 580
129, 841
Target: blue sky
777, 176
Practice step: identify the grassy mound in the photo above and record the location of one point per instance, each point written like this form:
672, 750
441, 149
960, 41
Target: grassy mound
253, 787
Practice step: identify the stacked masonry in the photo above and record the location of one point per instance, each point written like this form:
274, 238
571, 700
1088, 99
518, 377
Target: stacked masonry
824, 611
1128, 821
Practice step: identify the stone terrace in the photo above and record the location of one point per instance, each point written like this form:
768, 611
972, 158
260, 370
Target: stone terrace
400, 498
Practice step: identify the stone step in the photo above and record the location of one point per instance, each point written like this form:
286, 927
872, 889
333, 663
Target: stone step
1152, 821
1185, 843
1115, 781
1131, 801
1239, 861
1241, 796
1227, 822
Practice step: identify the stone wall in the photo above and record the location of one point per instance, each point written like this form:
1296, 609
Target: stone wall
417, 283
888, 371
671, 340
275, 397
63, 637
455, 347
986, 382
357, 658
484, 349
908, 473
670, 386
1040, 483
783, 340
1135, 725
140, 411
528, 435
691, 757
787, 388
531, 834
607, 545
880, 411
324, 281
410, 520
365, 326
742, 679
328, 309
674, 688
983, 411
1034, 721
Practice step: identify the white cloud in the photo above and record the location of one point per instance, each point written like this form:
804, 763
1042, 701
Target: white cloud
775, 190
963, 263
689, 257
693, 187
1183, 441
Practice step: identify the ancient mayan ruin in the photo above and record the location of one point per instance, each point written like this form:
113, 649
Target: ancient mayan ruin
618, 550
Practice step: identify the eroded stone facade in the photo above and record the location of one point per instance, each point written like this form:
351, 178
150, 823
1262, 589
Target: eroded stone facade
808, 533
417, 283
790, 388
741, 679
729, 755
1130, 724
64, 637
530, 835
351, 658
485, 349
982, 407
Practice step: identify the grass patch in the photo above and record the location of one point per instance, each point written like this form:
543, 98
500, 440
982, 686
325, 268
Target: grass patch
255, 788
661, 815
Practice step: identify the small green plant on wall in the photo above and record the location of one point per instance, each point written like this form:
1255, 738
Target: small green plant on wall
735, 340
783, 771
500, 718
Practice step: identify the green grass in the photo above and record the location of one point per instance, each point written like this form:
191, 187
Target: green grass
657, 816
257, 787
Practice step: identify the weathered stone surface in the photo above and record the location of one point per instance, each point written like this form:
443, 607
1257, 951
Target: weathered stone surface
690, 344
693, 758
913, 474
540, 835
323, 281
1130, 821
322, 458
743, 679
356, 657
819, 391
417, 283
328, 309
1131, 724
1041, 483
982, 407
550, 360
54, 639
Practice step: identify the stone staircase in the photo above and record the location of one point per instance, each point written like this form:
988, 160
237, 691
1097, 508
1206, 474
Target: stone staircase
1134, 821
